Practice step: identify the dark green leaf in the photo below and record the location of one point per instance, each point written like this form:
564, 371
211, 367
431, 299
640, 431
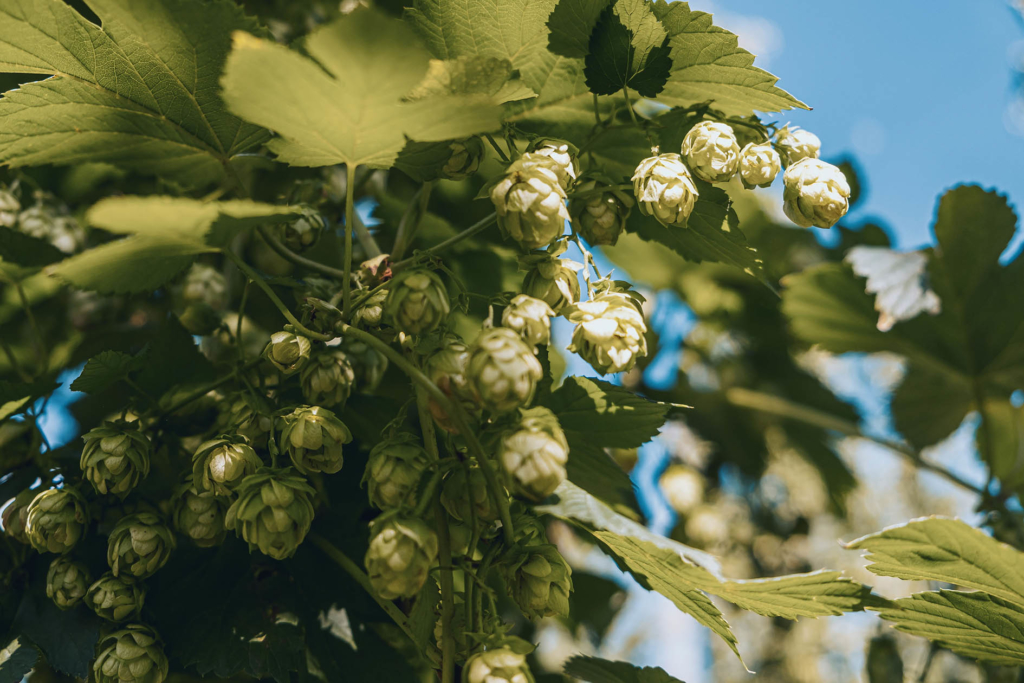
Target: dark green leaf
19, 664
15, 396
628, 48
423, 616
571, 24
104, 370
606, 415
66, 639
26, 250
175, 360
595, 670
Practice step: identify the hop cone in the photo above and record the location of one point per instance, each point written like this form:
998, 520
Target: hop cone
417, 303
464, 160
530, 201
199, 517
794, 144
66, 582
115, 458
816, 193
219, 465
139, 545
273, 512
711, 151
15, 516
393, 471
116, 598
447, 368
9, 208
368, 315
609, 332
553, 281
599, 216
328, 378
287, 352
205, 285
133, 654
535, 454
313, 438
463, 496
539, 580
368, 363
561, 152
497, 665
56, 520
530, 318
303, 233
243, 417
664, 189
400, 555
759, 165
503, 372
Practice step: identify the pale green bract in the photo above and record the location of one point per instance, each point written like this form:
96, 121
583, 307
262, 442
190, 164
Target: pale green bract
273, 511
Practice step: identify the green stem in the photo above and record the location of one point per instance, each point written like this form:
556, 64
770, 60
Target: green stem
299, 260
41, 350
629, 106
350, 212
203, 391
454, 411
255, 277
410, 222
367, 296
421, 256
353, 570
497, 149
15, 365
238, 326
428, 493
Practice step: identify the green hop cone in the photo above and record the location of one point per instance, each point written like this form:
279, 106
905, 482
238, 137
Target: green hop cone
530, 318
464, 160
505, 664
133, 654
313, 438
465, 495
273, 512
66, 582
200, 319
328, 377
503, 371
55, 520
393, 471
244, 417
15, 516
139, 545
553, 281
794, 144
9, 208
417, 302
287, 352
759, 165
609, 332
600, 216
535, 454
220, 464
303, 233
199, 517
539, 580
664, 189
401, 552
446, 368
116, 598
205, 285
368, 314
563, 153
368, 363
816, 193
115, 458
711, 151
530, 201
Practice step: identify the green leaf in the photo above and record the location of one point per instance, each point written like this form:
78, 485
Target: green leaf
604, 414
596, 670
180, 361
628, 48
973, 625
19, 663
343, 104
947, 550
140, 93
25, 250
708, 64
67, 639
17, 395
105, 369
467, 76
423, 616
571, 24
136, 264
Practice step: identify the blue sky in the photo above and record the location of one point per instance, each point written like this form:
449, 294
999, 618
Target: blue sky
916, 91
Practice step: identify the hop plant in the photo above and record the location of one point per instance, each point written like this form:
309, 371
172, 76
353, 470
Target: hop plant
530, 201
563, 153
139, 545
9, 208
220, 464
446, 367
66, 582
600, 216
609, 332
368, 363
664, 189
133, 654
759, 165
370, 313
303, 233
56, 520
393, 470
273, 512
503, 371
498, 665
15, 516
313, 438
794, 144
711, 151
288, 352
539, 581
115, 458
417, 302
465, 495
328, 377
205, 285
553, 281
243, 417
530, 318
816, 193
199, 517
535, 454
401, 551
464, 160
116, 598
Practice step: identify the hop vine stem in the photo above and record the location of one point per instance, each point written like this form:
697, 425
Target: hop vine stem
424, 255
350, 212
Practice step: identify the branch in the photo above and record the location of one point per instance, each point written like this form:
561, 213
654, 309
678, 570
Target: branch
421, 256
299, 260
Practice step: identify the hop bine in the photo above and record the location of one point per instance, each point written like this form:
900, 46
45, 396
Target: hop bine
503, 371
56, 520
115, 458
219, 465
530, 318
816, 194
273, 512
400, 555
759, 165
393, 470
530, 201
133, 654
288, 352
711, 151
116, 598
664, 189
139, 545
417, 302
313, 438
66, 582
535, 453
328, 377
